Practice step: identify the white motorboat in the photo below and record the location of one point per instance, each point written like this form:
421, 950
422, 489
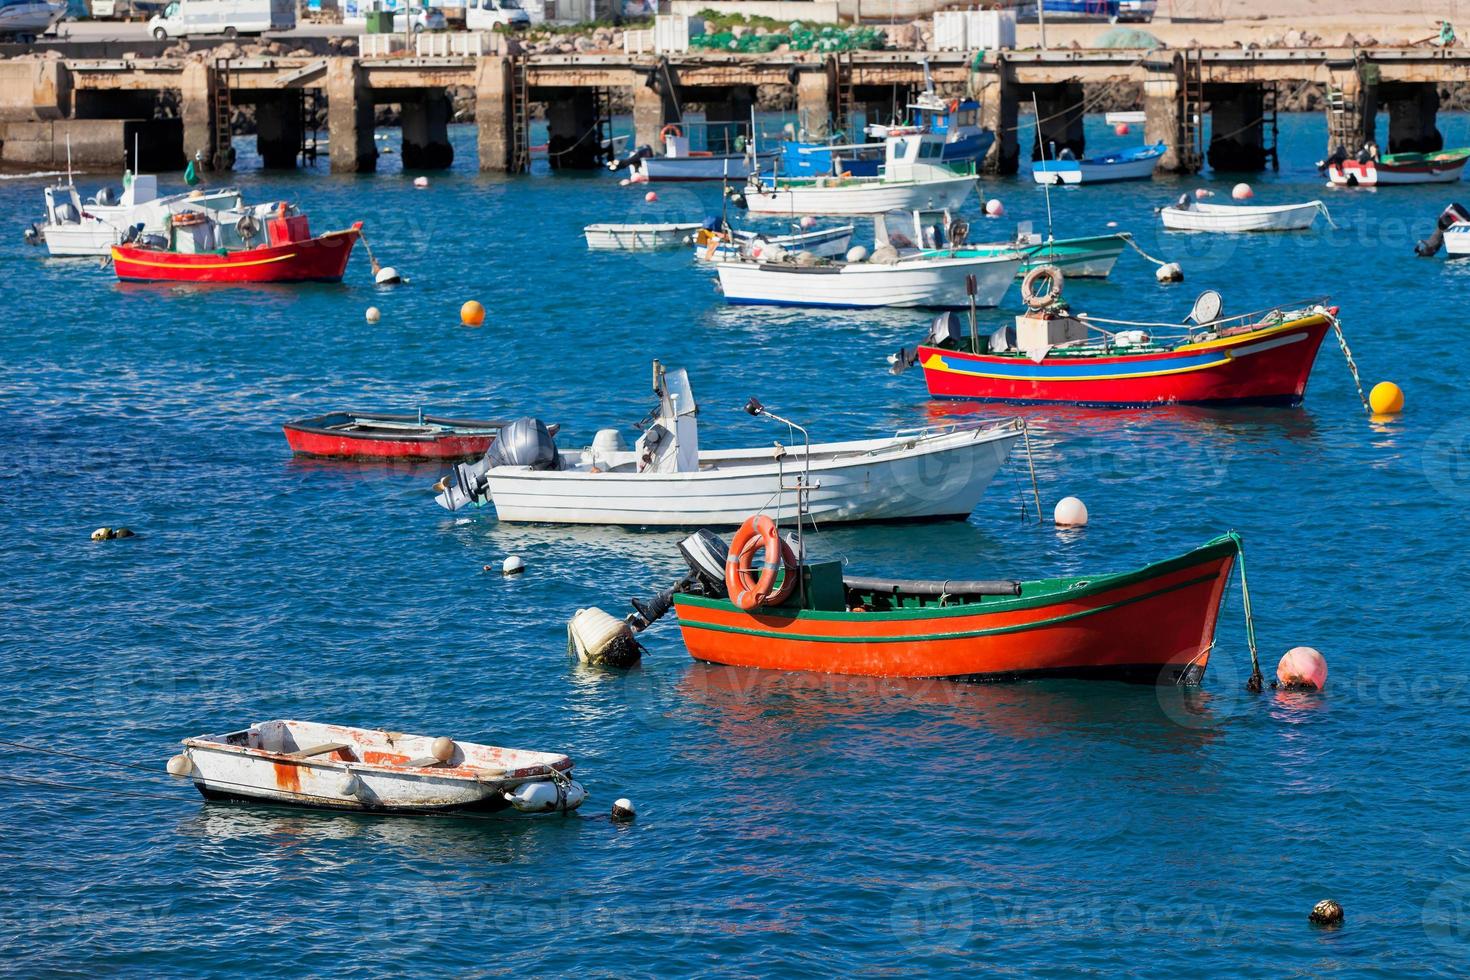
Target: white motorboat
1134, 163
912, 178
341, 768
667, 480
609, 237
934, 280
824, 243
1190, 215
679, 161
77, 227
936, 233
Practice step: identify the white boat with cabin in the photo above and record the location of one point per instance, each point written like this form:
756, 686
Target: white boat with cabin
337, 767
679, 161
25, 20
913, 176
77, 227
1187, 214
666, 480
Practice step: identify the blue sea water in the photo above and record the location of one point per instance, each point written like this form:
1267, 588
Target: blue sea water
789, 824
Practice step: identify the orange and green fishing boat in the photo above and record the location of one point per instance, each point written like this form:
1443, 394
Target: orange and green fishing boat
1154, 624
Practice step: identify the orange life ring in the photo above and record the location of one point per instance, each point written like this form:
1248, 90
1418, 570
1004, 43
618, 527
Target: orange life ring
746, 591
954, 106
183, 219
663, 134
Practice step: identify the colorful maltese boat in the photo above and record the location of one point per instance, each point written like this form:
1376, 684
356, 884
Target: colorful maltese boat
1443, 167
223, 247
335, 767
1155, 624
373, 435
1049, 355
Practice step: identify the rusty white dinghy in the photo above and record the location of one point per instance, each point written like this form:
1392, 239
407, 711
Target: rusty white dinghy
335, 767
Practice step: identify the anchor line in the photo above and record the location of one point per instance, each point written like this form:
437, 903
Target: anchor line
1348, 356
1254, 683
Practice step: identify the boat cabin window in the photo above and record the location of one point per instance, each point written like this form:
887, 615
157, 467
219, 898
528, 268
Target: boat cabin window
930, 150
965, 118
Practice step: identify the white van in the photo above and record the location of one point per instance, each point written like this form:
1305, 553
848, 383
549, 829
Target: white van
181, 18
486, 15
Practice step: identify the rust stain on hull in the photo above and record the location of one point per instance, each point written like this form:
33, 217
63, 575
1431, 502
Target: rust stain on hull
288, 776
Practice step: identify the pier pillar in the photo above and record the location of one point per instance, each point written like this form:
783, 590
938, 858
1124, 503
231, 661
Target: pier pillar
196, 112
1236, 142
278, 128
999, 99
350, 118
492, 114
425, 123
814, 106
572, 139
728, 118
652, 110
1413, 110
1163, 114
1352, 105
1060, 126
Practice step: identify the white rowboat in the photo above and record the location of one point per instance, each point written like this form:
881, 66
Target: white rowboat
336, 767
931, 280
607, 237
1200, 216
667, 481
826, 243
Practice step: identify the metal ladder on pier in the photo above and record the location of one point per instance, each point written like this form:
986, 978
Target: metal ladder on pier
223, 151
1344, 111
520, 116
1191, 112
1270, 131
311, 106
844, 99
602, 123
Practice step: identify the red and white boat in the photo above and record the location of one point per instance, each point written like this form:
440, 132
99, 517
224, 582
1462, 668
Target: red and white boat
226, 247
1442, 167
373, 435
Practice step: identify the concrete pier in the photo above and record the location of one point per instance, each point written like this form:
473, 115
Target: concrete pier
96, 101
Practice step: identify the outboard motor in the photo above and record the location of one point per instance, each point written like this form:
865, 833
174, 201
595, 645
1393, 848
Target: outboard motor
946, 331
1184, 203
106, 197
34, 235
131, 235
525, 442
630, 159
1429, 247
153, 241
705, 553
1455, 214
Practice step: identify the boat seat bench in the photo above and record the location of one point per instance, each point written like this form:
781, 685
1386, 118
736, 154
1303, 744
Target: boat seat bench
318, 750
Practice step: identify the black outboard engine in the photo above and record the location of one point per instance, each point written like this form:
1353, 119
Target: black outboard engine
1453, 215
705, 553
630, 159
34, 235
525, 442
131, 235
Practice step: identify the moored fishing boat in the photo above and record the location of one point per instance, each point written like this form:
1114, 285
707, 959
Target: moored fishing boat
1188, 214
337, 767
936, 233
76, 227
1155, 624
1049, 355
1442, 167
721, 246
1135, 163
666, 479
220, 248
734, 160
639, 237
374, 435
935, 280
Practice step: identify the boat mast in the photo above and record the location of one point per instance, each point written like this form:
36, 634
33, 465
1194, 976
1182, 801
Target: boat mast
1045, 184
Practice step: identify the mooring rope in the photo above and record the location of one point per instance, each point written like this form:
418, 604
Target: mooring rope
1139, 249
1348, 356
1254, 683
1031, 463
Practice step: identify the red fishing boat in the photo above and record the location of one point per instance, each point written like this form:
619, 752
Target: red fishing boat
222, 247
1049, 355
1153, 624
371, 435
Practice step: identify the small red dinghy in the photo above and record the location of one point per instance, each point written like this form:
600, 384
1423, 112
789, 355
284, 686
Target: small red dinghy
221, 247
371, 435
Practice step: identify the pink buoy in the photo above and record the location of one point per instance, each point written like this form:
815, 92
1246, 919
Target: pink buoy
1122, 129
1203, 194
421, 182
639, 178
650, 197
1302, 669
808, 221
1242, 192
994, 209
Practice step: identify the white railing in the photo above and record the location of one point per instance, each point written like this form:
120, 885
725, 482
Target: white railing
459, 44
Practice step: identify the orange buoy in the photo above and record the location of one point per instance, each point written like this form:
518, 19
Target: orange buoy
472, 314
651, 197
1302, 669
1122, 129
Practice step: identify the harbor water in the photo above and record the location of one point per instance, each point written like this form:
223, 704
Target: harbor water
789, 824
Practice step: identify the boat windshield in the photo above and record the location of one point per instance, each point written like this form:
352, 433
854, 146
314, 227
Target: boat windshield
677, 396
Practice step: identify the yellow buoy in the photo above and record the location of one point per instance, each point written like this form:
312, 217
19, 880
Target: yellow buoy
1386, 398
472, 314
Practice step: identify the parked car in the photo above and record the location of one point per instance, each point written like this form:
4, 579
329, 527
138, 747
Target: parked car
486, 15
420, 19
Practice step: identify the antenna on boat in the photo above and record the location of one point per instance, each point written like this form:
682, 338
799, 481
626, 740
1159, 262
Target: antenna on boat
803, 487
1045, 184
68, 158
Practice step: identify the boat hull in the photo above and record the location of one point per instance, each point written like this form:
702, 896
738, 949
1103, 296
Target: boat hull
1156, 624
859, 196
1091, 172
1457, 240
1229, 219
634, 238
928, 283
318, 437
1269, 367
320, 259
1351, 173
873, 480
719, 167
830, 243
1078, 258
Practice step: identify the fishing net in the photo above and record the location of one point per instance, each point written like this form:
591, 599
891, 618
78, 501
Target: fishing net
825, 40
1127, 37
